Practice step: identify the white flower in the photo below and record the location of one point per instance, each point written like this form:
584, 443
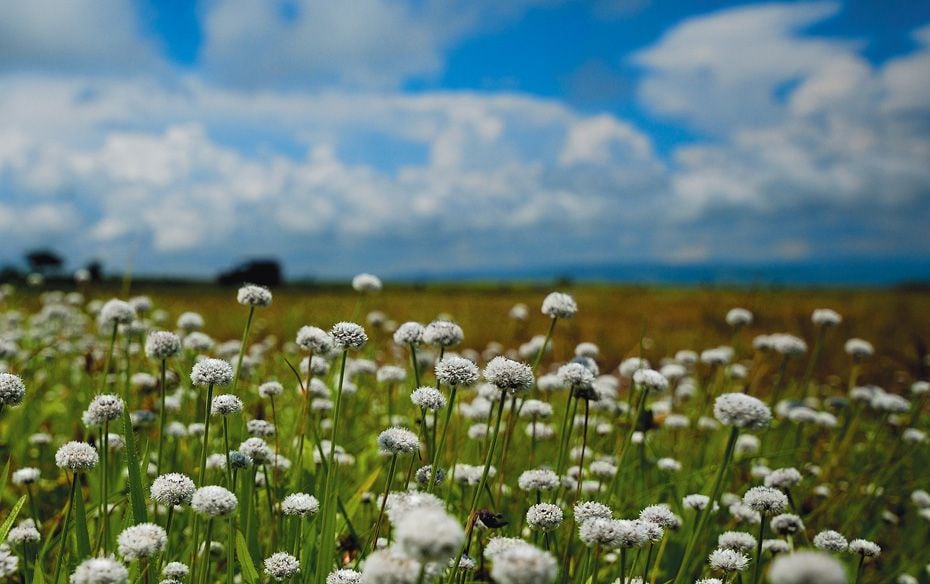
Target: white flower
175, 571
12, 389
865, 548
509, 375
589, 510
252, 295
650, 380
190, 321
859, 349
300, 504
544, 516
100, 571
428, 398
831, 541
366, 283
344, 576
458, 371
172, 489
225, 405
348, 335
728, 560
559, 305
539, 480
524, 564
807, 568
443, 333
116, 312
314, 340
742, 411
661, 515
398, 441
783, 478
144, 540
77, 457
430, 535
212, 372
765, 500
213, 501
281, 566
388, 566
270, 389
391, 374
737, 540
409, 333
826, 317
738, 317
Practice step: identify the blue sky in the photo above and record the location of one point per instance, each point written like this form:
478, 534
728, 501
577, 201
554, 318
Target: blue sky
419, 136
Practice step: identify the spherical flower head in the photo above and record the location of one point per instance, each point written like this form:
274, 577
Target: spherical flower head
103, 408
26, 476
348, 336
256, 449
281, 566
738, 317
314, 340
260, 428
807, 567
24, 533
212, 372
831, 541
736, 540
650, 380
765, 500
695, 501
388, 566
458, 371
398, 441
825, 317
391, 374
175, 571
544, 516
865, 548
409, 333
539, 480
859, 349
728, 561
197, 341
367, 283
344, 576
77, 457
429, 536
788, 345
116, 312
509, 375
443, 333
600, 531
252, 295
589, 510
190, 321
575, 375
162, 345
524, 564
141, 541
742, 411
300, 505
660, 514
213, 501
559, 305
428, 398
270, 389
226, 405
172, 489
100, 571
12, 389
783, 478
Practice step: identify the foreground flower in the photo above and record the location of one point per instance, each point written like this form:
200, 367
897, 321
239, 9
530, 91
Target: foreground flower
141, 541
100, 571
807, 568
281, 566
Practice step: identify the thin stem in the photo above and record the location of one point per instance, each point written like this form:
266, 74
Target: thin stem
755, 569
206, 436
542, 350
387, 490
442, 439
105, 447
64, 530
161, 423
245, 338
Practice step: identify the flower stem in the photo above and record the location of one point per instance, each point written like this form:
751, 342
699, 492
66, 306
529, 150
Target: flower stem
206, 436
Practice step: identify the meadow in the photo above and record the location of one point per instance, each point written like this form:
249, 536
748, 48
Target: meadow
397, 433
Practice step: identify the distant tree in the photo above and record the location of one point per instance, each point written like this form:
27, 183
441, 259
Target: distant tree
266, 272
44, 261
95, 269
9, 274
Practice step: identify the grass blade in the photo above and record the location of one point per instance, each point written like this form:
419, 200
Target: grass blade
8, 524
136, 490
246, 565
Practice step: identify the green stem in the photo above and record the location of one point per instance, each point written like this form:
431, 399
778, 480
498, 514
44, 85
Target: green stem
64, 530
442, 439
387, 490
206, 436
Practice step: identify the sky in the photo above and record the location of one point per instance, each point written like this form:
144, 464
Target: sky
425, 136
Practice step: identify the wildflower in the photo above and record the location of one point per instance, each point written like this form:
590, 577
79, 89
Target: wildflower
825, 317
270, 389
256, 449
559, 305
213, 501
544, 516
252, 295
443, 333
141, 541
391, 374
409, 333
539, 480
660, 514
23, 533
162, 345
398, 441
736, 540
212, 372
116, 312
696, 501
100, 571
742, 411
281, 566
865, 548
388, 566
423, 473
783, 478
190, 321
456, 371
428, 398
172, 489
807, 567
427, 536
859, 349
831, 541
509, 375
590, 510
738, 317
366, 283
26, 476
12, 389
765, 500
728, 560
77, 457
314, 340
650, 380
787, 524
344, 576
348, 335
775, 546
226, 405
524, 564
175, 571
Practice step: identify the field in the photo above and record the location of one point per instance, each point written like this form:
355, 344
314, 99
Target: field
836, 441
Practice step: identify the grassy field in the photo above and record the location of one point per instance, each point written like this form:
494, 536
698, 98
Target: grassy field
857, 474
